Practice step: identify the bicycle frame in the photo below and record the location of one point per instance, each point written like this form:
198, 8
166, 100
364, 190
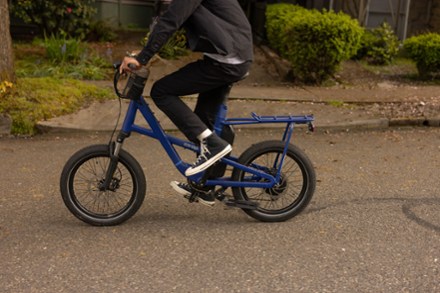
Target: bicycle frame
168, 142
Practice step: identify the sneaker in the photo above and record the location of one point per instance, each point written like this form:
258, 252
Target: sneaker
185, 189
206, 198
181, 188
212, 149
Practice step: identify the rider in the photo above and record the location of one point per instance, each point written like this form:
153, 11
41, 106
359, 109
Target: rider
219, 29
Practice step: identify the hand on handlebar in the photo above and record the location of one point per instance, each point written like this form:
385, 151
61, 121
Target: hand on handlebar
129, 64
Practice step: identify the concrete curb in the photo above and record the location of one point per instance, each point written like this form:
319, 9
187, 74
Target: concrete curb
371, 124
431, 122
101, 116
359, 125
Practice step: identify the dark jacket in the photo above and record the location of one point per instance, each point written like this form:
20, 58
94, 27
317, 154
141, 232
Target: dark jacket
212, 26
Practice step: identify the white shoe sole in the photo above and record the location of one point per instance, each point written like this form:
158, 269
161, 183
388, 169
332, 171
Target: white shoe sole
206, 203
191, 171
178, 189
184, 192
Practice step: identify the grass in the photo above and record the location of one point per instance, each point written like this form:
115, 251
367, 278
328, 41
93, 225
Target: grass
49, 86
49, 80
400, 66
36, 68
35, 99
37, 60
401, 69
336, 103
359, 73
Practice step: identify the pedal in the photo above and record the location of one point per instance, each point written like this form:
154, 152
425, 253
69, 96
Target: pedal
192, 197
220, 194
241, 204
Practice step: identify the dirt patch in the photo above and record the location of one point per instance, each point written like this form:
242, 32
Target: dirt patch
270, 70
419, 99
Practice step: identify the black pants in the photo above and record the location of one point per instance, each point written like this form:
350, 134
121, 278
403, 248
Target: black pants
207, 77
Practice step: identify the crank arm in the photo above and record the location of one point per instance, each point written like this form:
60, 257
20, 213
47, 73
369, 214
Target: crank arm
241, 204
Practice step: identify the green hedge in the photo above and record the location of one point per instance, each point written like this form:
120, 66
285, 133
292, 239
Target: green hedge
278, 22
425, 51
379, 46
72, 17
314, 42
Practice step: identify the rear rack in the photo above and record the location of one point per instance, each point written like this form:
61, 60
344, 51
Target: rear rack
255, 119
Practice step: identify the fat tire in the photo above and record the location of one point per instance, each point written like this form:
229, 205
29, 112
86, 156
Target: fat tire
73, 203
305, 168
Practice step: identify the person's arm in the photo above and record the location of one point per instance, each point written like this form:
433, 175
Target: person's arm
173, 18
167, 25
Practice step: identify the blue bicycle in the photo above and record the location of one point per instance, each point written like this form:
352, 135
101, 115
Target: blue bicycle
271, 181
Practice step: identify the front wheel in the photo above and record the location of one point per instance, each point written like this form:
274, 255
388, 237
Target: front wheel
81, 186
290, 195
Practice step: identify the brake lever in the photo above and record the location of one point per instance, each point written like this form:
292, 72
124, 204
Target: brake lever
116, 65
116, 77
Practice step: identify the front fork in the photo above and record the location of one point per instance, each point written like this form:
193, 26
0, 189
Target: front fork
114, 149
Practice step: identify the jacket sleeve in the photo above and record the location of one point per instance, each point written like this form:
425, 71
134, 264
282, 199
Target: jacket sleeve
173, 18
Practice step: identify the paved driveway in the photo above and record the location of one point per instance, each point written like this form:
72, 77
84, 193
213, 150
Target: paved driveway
373, 225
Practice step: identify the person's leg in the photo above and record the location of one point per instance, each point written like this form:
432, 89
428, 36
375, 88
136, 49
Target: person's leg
206, 109
166, 94
202, 76
208, 104
209, 78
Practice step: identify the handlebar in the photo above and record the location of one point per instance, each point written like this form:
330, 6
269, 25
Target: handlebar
135, 82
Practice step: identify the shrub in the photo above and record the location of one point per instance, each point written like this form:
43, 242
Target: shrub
62, 49
70, 16
101, 31
379, 46
278, 20
425, 51
315, 43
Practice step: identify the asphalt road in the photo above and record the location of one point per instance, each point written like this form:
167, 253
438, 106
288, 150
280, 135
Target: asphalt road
373, 225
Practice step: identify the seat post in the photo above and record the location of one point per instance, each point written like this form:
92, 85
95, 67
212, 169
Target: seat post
223, 108
226, 132
222, 112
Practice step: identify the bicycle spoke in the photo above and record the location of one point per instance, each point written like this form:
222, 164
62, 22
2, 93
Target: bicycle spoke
86, 185
283, 197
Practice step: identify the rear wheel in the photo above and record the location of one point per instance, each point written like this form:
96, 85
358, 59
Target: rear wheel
290, 195
81, 186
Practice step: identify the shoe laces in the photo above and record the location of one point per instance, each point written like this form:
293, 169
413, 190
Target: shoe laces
184, 185
204, 151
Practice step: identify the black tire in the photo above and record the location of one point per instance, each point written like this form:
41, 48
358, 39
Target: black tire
80, 178
291, 195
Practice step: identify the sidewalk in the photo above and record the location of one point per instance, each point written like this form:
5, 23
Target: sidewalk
333, 108
337, 107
